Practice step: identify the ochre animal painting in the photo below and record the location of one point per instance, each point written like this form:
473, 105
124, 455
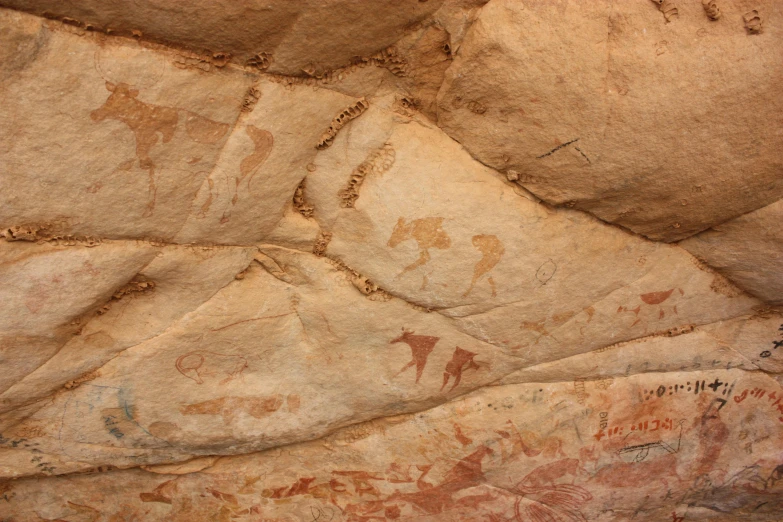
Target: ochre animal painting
152, 123
149, 123
427, 232
230, 407
200, 365
421, 347
262, 147
491, 251
654, 299
461, 360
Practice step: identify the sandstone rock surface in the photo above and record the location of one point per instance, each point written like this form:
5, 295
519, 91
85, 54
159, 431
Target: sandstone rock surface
354, 261
625, 110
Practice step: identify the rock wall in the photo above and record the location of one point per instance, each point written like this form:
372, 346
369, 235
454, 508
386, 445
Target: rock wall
359, 261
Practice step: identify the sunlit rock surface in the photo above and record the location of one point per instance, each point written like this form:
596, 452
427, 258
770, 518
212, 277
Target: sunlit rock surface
381, 261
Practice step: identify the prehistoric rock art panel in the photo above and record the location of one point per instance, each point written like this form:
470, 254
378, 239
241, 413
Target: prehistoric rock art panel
493, 465
213, 275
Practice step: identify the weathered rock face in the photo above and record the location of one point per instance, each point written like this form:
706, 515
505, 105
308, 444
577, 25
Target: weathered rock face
279, 36
624, 110
354, 261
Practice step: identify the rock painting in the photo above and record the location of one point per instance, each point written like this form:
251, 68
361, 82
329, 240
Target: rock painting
491, 251
262, 147
427, 232
461, 360
546, 494
210, 238
200, 365
149, 123
152, 123
231, 407
421, 347
654, 300
163, 493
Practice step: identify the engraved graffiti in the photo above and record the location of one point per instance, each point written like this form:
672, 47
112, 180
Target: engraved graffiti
546, 271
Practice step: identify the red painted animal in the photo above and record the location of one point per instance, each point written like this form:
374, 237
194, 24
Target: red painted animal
421, 347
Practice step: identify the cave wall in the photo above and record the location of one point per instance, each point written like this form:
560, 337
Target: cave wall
360, 261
